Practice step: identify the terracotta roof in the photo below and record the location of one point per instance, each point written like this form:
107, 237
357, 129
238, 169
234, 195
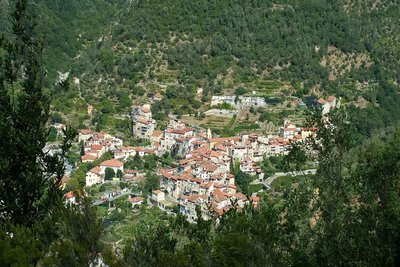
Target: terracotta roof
157, 192
112, 163
143, 120
157, 133
69, 195
65, 179
135, 199
85, 131
88, 157
233, 186
95, 170
97, 147
207, 185
331, 98
127, 148
241, 196
218, 195
145, 109
196, 180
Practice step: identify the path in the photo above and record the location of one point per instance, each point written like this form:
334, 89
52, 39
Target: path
110, 199
267, 182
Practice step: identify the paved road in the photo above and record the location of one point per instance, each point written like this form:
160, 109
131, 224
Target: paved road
99, 202
267, 182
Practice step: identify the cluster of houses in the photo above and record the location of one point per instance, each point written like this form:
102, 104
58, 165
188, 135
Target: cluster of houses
203, 177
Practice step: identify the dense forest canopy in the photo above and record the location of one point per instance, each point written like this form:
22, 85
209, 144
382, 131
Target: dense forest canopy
122, 50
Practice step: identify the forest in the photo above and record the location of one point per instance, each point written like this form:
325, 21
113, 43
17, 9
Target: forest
125, 51
347, 214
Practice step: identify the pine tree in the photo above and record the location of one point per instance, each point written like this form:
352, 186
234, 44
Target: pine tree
29, 176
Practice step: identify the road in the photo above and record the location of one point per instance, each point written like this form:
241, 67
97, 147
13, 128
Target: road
99, 202
267, 182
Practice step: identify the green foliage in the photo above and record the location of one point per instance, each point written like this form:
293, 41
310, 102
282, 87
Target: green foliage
226, 106
151, 182
36, 228
240, 91
243, 179
109, 173
52, 134
30, 177
22, 249
56, 118
80, 234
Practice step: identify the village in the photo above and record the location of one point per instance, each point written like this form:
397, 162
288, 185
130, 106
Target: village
202, 177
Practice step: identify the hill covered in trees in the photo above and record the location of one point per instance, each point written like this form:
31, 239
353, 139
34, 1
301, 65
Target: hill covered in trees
124, 50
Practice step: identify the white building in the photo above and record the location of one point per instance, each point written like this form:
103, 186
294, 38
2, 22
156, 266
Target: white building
114, 164
217, 100
94, 176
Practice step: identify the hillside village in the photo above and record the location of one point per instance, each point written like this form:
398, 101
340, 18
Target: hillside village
202, 177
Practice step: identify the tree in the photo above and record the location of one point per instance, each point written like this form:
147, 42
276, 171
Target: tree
240, 91
119, 173
79, 241
82, 148
243, 179
109, 173
151, 182
29, 177
52, 134
56, 118
36, 228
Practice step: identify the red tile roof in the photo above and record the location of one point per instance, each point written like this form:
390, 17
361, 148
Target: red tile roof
135, 199
88, 157
157, 192
69, 195
112, 163
86, 131
95, 170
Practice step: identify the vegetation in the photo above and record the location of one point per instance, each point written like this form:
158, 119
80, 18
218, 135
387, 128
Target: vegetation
347, 214
122, 51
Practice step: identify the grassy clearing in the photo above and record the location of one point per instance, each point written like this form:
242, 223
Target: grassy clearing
285, 182
254, 188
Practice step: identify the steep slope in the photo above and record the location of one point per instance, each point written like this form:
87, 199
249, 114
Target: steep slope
126, 49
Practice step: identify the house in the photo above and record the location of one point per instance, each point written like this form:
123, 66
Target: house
114, 164
252, 101
327, 104
84, 135
156, 136
159, 198
70, 198
94, 176
255, 200
158, 195
88, 158
157, 97
142, 123
217, 100
143, 127
135, 201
